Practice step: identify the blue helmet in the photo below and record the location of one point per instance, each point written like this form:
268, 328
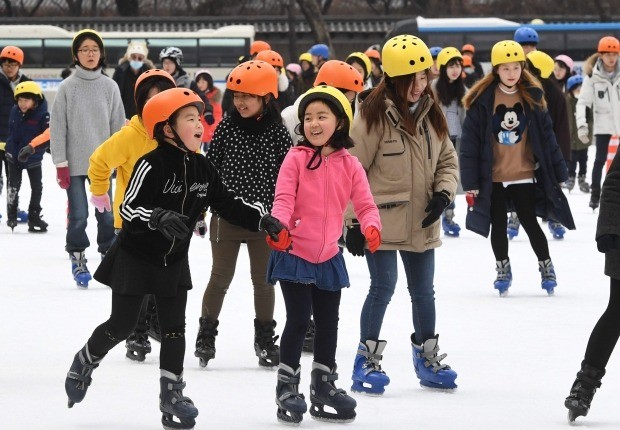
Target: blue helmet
320, 50
573, 81
435, 50
526, 35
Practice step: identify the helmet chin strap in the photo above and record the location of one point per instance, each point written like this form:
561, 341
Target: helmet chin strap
177, 139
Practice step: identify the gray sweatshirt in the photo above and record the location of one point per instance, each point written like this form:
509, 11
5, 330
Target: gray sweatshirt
87, 110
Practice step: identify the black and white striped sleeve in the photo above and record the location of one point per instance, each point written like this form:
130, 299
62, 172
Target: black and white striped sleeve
137, 205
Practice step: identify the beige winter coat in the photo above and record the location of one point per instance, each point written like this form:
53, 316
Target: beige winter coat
404, 171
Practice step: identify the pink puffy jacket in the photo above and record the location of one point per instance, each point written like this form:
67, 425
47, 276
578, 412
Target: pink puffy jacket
311, 203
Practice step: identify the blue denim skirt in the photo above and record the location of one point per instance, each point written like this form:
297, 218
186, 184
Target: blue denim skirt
330, 275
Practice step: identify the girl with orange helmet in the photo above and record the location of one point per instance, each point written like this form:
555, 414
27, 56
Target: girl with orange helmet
601, 92
168, 190
247, 149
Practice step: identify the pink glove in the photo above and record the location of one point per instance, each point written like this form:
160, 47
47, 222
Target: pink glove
62, 177
101, 203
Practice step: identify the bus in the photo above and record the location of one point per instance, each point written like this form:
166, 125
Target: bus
577, 40
47, 48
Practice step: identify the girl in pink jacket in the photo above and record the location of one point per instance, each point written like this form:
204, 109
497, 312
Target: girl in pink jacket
317, 180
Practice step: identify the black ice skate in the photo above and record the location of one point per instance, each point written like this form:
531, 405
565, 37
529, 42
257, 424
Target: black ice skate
291, 404
35, 223
582, 392
267, 351
323, 393
309, 339
205, 342
595, 199
138, 346
79, 376
172, 403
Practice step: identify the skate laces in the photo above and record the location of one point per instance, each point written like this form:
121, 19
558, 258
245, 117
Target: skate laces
372, 362
503, 271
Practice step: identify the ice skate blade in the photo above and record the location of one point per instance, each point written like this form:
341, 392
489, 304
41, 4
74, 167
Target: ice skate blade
289, 418
360, 388
135, 356
449, 389
202, 362
167, 421
82, 285
71, 403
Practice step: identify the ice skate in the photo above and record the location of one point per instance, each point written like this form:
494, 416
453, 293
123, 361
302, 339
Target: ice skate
35, 223
12, 223
595, 199
323, 393
368, 377
583, 185
556, 229
450, 228
513, 226
309, 339
79, 375
81, 275
267, 351
548, 281
153, 329
172, 403
291, 404
570, 183
205, 341
504, 277
138, 346
428, 367
582, 392
22, 216
11, 216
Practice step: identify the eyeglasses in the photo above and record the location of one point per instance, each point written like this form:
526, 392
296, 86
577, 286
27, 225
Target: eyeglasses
89, 51
10, 65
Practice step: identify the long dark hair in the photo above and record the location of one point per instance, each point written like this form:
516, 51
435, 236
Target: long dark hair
373, 107
446, 90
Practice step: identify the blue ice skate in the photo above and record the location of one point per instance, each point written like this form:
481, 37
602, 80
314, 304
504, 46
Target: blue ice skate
504, 277
368, 377
548, 281
450, 228
22, 217
428, 367
79, 376
556, 229
81, 275
513, 226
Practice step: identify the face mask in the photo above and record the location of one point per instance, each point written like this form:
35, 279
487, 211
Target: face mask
136, 65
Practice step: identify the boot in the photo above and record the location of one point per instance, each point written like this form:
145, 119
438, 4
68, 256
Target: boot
368, 377
595, 198
570, 183
504, 277
547, 274
513, 226
556, 229
35, 223
450, 228
267, 351
205, 342
582, 392
323, 393
81, 275
309, 338
291, 404
583, 185
428, 367
79, 375
172, 403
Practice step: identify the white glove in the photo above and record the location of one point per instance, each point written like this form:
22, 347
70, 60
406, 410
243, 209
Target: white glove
583, 134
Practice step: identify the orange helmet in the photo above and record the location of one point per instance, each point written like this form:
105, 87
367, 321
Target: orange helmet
373, 53
13, 53
341, 75
606, 44
163, 105
151, 73
468, 47
467, 61
259, 45
254, 77
271, 57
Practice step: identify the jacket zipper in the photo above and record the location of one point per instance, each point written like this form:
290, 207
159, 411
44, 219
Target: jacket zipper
428, 140
182, 206
324, 213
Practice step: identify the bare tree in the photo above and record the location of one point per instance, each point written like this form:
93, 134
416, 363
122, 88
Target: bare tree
312, 13
128, 7
603, 9
75, 7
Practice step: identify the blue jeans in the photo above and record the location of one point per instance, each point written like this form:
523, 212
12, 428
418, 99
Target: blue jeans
420, 271
77, 240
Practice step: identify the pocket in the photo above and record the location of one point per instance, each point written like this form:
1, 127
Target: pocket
395, 219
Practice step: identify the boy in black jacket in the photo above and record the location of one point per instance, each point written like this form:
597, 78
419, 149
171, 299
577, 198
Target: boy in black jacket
169, 188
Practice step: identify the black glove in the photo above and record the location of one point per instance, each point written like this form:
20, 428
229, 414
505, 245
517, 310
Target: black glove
435, 208
271, 226
209, 118
170, 223
608, 242
25, 153
355, 241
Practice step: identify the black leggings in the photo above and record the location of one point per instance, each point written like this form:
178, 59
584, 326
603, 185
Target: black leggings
35, 175
606, 331
125, 310
602, 147
301, 301
579, 157
524, 200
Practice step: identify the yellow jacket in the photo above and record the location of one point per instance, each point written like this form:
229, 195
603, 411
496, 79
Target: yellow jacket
120, 152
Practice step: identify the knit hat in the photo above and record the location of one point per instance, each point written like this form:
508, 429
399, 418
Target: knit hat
137, 47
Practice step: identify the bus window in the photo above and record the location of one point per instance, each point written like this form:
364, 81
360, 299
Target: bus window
57, 53
221, 52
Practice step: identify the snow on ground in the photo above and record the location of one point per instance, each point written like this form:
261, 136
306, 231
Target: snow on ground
516, 357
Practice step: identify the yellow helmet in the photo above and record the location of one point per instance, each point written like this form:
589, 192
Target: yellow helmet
543, 62
77, 40
28, 87
325, 92
405, 55
506, 51
305, 57
447, 54
364, 59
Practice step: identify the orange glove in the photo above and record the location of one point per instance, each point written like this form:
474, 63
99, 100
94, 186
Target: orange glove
284, 242
373, 237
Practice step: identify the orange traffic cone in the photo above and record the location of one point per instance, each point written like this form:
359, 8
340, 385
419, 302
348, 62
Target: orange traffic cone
611, 152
